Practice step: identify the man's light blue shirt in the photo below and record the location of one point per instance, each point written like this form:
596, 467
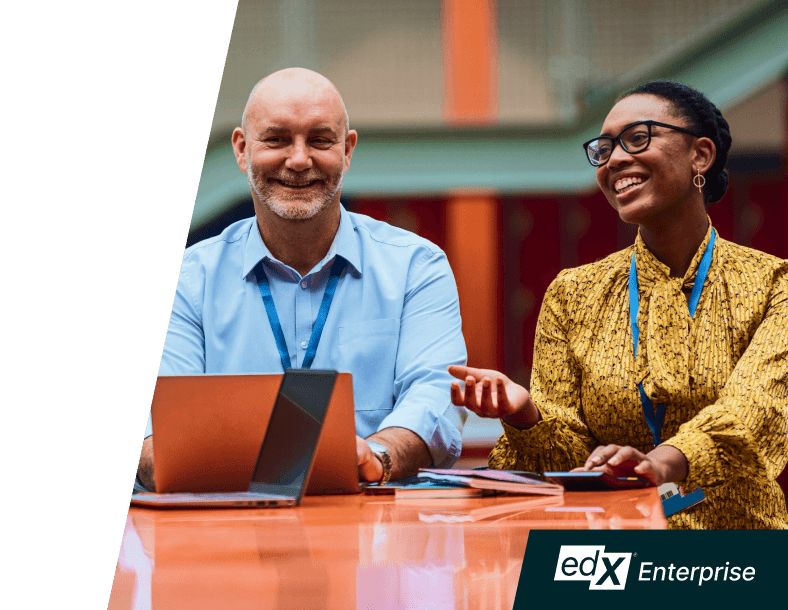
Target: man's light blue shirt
394, 323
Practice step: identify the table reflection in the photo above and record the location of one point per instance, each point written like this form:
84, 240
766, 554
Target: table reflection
135, 560
407, 567
352, 551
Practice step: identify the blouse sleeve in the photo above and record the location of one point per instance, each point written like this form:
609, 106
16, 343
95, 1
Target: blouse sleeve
744, 432
561, 440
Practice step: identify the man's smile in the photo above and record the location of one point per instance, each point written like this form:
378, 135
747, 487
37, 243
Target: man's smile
295, 184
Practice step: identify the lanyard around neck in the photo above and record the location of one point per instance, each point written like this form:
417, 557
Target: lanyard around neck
655, 418
320, 322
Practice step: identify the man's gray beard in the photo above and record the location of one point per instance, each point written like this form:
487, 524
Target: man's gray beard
294, 207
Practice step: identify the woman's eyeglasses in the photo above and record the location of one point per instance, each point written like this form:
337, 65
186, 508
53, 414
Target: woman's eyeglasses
634, 139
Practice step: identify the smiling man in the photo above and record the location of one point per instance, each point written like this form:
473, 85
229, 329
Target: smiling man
307, 284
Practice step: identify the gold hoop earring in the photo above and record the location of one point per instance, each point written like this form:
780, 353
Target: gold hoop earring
699, 181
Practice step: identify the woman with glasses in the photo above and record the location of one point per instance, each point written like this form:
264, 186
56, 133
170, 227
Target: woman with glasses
667, 360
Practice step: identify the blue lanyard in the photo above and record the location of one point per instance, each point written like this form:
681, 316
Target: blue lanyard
656, 419
320, 322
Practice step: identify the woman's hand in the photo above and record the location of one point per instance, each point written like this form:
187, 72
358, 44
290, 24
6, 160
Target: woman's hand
489, 393
661, 465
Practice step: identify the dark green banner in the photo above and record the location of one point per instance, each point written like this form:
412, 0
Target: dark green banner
654, 569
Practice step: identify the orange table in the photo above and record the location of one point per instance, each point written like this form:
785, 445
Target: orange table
353, 551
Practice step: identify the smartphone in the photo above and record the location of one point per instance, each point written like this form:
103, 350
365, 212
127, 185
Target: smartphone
595, 481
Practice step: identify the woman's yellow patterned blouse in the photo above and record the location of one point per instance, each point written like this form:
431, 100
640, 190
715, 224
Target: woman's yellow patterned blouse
723, 376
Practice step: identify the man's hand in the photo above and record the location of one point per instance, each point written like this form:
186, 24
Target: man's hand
145, 468
664, 464
407, 450
369, 466
489, 393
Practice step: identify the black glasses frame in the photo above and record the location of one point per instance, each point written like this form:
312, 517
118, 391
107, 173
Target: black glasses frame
617, 139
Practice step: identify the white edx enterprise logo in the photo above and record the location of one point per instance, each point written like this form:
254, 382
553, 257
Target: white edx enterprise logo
602, 570
609, 571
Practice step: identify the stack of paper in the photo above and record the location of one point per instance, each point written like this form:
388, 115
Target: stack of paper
457, 483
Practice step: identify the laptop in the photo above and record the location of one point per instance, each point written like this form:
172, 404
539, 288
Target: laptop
286, 454
208, 430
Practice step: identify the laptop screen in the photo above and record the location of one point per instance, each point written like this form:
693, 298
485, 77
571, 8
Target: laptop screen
293, 432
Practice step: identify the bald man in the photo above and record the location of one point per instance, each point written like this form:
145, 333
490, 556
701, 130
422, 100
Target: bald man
393, 321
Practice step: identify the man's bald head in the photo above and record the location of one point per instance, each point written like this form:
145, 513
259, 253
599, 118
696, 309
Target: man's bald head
295, 145
294, 81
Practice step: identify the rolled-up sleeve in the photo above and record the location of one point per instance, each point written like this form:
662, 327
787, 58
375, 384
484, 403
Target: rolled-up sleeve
430, 339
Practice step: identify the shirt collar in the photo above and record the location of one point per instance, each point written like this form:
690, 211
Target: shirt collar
651, 270
347, 244
344, 245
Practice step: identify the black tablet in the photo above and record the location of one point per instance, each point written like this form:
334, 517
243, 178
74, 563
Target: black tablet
594, 481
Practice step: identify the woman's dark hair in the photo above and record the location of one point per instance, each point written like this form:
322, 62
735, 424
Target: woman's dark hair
705, 119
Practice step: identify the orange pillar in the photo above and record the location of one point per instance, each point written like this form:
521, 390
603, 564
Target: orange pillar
472, 247
469, 35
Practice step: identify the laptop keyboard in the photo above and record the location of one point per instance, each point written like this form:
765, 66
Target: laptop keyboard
174, 498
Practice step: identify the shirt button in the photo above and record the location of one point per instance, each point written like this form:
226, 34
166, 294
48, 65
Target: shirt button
303, 284
304, 344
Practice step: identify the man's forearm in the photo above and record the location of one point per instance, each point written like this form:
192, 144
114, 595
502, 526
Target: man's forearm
408, 452
145, 468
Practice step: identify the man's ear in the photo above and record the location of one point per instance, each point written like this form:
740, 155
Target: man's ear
350, 145
239, 148
704, 155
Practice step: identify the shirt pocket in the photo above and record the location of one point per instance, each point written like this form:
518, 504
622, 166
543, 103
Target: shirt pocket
368, 350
